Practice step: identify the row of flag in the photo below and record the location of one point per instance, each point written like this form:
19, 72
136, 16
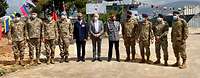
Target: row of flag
6, 20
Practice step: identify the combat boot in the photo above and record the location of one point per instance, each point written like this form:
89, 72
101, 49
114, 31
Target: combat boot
166, 64
52, 61
148, 60
127, 59
38, 61
16, 61
177, 62
142, 61
62, 59
21, 62
157, 61
183, 66
48, 61
31, 62
66, 59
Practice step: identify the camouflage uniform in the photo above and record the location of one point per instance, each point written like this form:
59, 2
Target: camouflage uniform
50, 29
35, 33
161, 30
179, 35
65, 33
145, 35
129, 30
18, 35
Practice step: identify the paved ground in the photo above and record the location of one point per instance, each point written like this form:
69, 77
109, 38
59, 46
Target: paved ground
114, 69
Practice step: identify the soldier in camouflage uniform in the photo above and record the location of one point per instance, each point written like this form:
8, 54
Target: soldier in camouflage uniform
65, 28
179, 35
50, 30
34, 26
18, 35
129, 30
145, 37
160, 29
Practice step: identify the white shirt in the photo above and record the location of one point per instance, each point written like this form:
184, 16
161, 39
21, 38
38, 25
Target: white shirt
96, 25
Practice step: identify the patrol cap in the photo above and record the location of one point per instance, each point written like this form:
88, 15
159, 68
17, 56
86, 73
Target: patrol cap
176, 12
18, 15
144, 15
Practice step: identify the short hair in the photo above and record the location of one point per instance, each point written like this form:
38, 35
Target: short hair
160, 15
95, 14
79, 14
18, 15
176, 12
129, 13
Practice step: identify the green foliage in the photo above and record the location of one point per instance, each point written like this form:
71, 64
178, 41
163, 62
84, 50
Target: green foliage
3, 7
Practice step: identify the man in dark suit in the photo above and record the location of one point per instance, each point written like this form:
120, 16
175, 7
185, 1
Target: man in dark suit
80, 34
96, 30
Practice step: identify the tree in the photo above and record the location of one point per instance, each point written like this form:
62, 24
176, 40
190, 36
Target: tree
3, 7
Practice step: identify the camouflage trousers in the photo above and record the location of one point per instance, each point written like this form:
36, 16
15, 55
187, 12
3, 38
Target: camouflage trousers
64, 45
144, 45
34, 43
18, 49
162, 44
50, 48
129, 44
179, 49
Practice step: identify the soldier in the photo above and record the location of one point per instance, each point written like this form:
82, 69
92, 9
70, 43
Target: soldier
179, 35
50, 30
65, 33
145, 36
18, 34
160, 29
35, 34
129, 30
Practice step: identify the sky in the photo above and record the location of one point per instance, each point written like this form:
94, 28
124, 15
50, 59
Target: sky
13, 4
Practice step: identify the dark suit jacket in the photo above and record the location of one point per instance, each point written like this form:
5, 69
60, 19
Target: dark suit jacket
80, 31
93, 32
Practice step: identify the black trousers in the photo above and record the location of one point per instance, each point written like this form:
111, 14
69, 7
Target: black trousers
80, 45
96, 43
111, 43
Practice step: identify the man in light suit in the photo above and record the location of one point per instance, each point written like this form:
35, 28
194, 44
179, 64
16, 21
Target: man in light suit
96, 30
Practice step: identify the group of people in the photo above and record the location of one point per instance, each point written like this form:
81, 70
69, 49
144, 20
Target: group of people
34, 31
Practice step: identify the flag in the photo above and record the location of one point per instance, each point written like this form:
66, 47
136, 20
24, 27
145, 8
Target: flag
21, 2
30, 2
6, 24
53, 14
24, 10
0, 30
